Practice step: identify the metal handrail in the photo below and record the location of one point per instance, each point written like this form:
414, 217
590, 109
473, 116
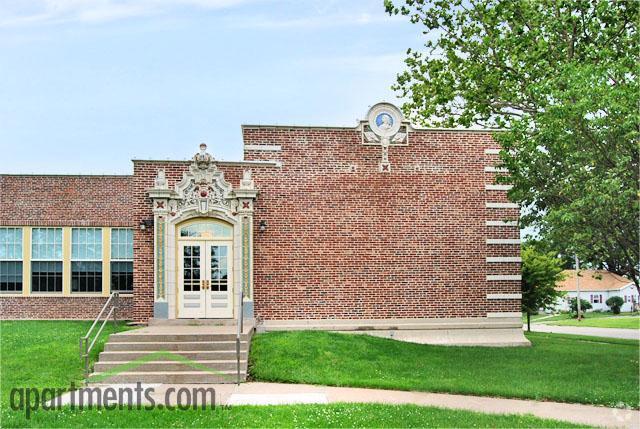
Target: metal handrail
239, 331
85, 347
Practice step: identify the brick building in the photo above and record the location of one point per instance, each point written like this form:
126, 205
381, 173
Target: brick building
382, 227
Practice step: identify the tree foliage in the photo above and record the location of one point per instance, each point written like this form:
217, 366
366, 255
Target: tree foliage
560, 77
584, 305
615, 303
540, 274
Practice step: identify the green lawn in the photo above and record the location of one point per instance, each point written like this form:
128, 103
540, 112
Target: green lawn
624, 322
566, 318
536, 317
555, 368
45, 354
318, 416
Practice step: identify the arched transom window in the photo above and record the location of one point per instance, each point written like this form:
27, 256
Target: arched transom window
207, 229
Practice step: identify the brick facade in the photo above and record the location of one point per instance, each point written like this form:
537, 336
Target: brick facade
342, 240
345, 241
60, 307
61, 200
58, 200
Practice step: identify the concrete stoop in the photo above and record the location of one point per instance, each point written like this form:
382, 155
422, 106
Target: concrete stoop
469, 331
175, 354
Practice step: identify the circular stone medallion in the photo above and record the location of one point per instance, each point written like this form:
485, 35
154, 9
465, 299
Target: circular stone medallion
384, 119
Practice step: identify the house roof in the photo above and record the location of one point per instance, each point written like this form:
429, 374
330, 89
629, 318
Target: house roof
592, 280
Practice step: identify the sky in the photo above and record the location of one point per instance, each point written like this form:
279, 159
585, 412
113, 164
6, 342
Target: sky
88, 85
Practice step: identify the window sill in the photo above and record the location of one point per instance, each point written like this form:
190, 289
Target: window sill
87, 294
46, 293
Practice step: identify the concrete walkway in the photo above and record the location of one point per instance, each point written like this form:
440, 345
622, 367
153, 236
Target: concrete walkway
627, 334
282, 394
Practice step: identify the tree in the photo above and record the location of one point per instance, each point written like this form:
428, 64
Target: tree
540, 274
560, 77
584, 305
615, 302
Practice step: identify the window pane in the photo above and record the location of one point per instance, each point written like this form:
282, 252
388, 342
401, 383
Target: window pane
46, 243
219, 268
86, 276
121, 244
11, 243
122, 276
46, 276
86, 244
206, 229
11, 276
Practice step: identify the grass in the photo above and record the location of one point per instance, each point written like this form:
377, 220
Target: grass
45, 354
289, 416
590, 315
613, 321
536, 317
556, 368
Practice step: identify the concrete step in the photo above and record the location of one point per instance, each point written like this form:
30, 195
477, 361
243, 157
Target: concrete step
171, 366
129, 355
173, 337
198, 322
174, 346
173, 377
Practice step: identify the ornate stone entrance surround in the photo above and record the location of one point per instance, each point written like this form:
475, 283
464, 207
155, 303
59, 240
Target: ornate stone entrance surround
202, 193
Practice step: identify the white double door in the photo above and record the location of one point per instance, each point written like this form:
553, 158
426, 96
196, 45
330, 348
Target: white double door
205, 280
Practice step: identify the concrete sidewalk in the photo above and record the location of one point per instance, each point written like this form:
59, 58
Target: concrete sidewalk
282, 394
627, 334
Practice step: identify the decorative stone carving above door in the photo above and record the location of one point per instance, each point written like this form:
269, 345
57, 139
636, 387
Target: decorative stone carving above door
202, 192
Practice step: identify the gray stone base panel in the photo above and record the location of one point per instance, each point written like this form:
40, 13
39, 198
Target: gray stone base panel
161, 310
476, 331
247, 310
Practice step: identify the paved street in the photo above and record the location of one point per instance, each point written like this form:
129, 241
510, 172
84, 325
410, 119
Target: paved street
628, 334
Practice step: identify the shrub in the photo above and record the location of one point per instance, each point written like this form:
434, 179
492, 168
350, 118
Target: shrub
584, 306
615, 302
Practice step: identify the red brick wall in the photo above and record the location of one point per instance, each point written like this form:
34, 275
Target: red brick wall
59, 200
59, 307
345, 241
342, 239
55, 200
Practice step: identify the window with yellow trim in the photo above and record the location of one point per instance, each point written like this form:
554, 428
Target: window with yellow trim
46, 260
86, 260
122, 260
10, 260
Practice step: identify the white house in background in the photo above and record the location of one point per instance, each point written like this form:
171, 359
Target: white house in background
596, 286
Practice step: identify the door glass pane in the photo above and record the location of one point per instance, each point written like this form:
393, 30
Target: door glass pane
206, 229
191, 270
219, 268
